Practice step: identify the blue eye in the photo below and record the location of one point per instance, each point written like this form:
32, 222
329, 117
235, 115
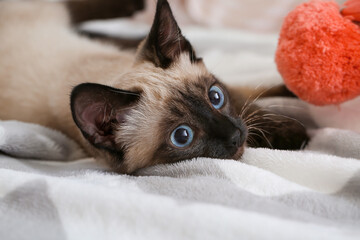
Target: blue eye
182, 136
216, 97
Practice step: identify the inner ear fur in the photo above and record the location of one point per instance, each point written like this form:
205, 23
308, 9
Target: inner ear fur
97, 109
165, 41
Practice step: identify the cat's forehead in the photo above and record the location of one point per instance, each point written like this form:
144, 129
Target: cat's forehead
178, 90
189, 81
151, 78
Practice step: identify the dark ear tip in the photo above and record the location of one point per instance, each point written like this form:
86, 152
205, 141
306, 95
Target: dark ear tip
161, 4
78, 89
74, 94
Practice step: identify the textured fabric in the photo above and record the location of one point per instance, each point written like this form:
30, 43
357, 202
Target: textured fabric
307, 194
26, 140
318, 53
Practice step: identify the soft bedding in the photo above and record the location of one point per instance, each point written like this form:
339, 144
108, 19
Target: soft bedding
269, 194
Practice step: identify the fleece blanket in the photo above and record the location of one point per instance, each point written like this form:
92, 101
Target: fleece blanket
269, 194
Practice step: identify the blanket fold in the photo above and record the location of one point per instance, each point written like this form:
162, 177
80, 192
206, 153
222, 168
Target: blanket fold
312, 193
26, 140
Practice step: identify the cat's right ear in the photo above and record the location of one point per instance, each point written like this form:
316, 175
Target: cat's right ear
98, 110
165, 42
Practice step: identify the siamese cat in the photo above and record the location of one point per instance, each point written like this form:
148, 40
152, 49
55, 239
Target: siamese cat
130, 110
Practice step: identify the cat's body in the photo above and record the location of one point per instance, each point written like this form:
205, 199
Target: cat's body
42, 60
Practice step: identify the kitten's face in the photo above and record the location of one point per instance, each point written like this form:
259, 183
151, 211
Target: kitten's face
173, 108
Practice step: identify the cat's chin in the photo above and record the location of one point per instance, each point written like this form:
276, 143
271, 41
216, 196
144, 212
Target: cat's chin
239, 153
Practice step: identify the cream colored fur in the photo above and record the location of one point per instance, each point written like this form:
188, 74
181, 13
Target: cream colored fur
42, 60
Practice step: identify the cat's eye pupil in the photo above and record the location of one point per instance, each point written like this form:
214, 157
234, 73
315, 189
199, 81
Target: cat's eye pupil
181, 135
214, 97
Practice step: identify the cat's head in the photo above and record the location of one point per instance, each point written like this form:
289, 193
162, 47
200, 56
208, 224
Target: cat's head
167, 108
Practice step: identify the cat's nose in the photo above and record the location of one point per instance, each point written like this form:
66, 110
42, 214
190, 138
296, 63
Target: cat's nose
237, 138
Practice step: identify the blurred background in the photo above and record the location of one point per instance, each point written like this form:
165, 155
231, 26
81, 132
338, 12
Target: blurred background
236, 38
255, 15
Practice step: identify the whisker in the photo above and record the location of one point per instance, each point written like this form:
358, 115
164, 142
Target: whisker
250, 140
242, 111
267, 140
259, 130
290, 118
252, 114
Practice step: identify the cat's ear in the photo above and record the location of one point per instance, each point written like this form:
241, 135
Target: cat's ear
165, 42
97, 110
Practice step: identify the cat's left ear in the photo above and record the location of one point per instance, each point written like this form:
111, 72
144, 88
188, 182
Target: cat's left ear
165, 42
98, 110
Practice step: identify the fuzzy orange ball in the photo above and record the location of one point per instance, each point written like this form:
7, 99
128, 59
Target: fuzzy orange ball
318, 53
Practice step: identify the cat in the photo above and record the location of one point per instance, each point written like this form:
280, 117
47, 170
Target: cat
129, 110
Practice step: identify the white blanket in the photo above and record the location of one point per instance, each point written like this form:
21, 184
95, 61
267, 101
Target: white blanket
270, 194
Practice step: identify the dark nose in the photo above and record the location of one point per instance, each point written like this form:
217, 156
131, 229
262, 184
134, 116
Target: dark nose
235, 139
230, 131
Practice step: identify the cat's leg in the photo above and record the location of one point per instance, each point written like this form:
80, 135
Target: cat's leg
268, 129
